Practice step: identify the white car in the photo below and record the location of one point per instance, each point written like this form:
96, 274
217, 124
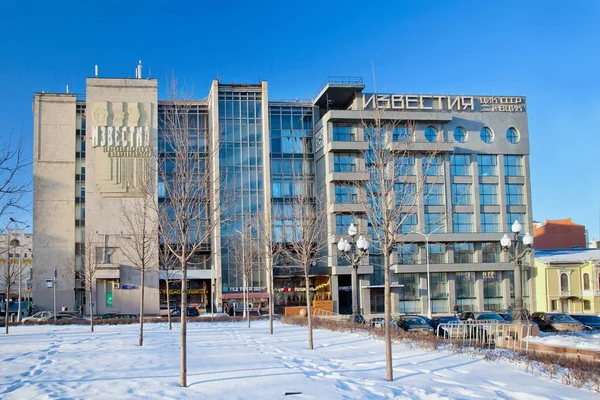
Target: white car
38, 316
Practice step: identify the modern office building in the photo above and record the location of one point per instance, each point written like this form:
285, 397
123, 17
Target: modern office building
91, 152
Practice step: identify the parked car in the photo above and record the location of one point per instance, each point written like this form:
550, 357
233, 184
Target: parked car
357, 319
377, 322
39, 316
591, 321
164, 310
556, 322
444, 319
191, 312
483, 316
413, 323
117, 316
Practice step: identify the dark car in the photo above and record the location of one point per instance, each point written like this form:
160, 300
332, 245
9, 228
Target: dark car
117, 316
592, 321
483, 316
556, 322
191, 312
413, 323
357, 319
446, 322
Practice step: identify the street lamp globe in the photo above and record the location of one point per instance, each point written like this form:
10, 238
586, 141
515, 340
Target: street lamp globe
527, 240
517, 227
362, 243
352, 230
505, 241
342, 244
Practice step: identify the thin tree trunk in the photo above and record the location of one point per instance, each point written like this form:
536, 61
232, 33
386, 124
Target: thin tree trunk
142, 308
183, 355
248, 302
168, 305
387, 312
6, 308
308, 311
92, 309
271, 308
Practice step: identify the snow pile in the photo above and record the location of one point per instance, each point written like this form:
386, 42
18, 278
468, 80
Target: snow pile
230, 361
588, 340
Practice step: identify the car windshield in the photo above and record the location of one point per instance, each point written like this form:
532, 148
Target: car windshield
588, 318
445, 320
488, 317
414, 321
560, 318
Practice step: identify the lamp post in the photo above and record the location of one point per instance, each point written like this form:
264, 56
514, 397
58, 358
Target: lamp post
354, 251
520, 248
243, 275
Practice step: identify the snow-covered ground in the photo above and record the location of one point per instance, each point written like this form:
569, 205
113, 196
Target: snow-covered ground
230, 361
580, 340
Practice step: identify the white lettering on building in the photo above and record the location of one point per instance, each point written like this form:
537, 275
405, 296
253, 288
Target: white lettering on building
443, 102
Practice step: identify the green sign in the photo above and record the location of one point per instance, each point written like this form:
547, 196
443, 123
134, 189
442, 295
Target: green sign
109, 299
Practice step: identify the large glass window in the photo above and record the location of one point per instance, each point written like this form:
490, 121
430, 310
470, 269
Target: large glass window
513, 166
490, 252
407, 253
409, 293
400, 134
487, 136
465, 291
405, 194
460, 165
488, 194
435, 222
512, 217
462, 222
344, 162
487, 165
405, 165
437, 253
431, 134
377, 300
409, 224
512, 135
344, 132
463, 253
343, 221
434, 194
346, 193
492, 290
439, 292
490, 222
514, 194
431, 165
461, 194
460, 134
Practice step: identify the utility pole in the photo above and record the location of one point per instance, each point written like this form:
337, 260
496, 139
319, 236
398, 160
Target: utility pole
54, 291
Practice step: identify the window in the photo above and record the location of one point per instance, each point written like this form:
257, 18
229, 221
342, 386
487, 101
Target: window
460, 165
400, 134
587, 305
346, 193
514, 194
512, 135
437, 253
487, 136
460, 135
487, 165
342, 223
377, 303
431, 166
409, 224
434, 222
439, 285
409, 293
407, 253
405, 193
586, 281
434, 194
463, 253
564, 282
492, 290
512, 217
490, 252
488, 194
405, 165
462, 222
554, 305
344, 162
513, 166
465, 285
343, 133
461, 194
490, 222
431, 134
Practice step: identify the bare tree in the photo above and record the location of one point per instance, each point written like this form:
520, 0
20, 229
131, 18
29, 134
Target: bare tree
10, 275
193, 195
12, 184
304, 238
87, 272
139, 242
244, 254
391, 194
169, 269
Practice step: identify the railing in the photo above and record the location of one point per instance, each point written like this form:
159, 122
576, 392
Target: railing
341, 80
486, 333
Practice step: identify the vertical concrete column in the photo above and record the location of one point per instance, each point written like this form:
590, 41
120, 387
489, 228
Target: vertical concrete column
506, 300
364, 298
451, 277
335, 293
479, 291
423, 293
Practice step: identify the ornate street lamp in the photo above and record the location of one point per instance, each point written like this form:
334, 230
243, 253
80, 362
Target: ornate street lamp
354, 251
520, 248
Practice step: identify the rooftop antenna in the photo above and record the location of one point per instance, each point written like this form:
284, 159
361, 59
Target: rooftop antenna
138, 71
96, 70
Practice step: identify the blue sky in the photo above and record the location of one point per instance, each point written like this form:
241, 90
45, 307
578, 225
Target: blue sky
545, 50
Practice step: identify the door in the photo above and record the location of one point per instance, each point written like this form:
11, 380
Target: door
565, 306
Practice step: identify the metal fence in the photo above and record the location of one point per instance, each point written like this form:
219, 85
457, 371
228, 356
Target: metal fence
491, 334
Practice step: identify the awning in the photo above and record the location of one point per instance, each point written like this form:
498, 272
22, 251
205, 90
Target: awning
570, 298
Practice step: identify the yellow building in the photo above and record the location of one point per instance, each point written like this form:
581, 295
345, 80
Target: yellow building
567, 280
